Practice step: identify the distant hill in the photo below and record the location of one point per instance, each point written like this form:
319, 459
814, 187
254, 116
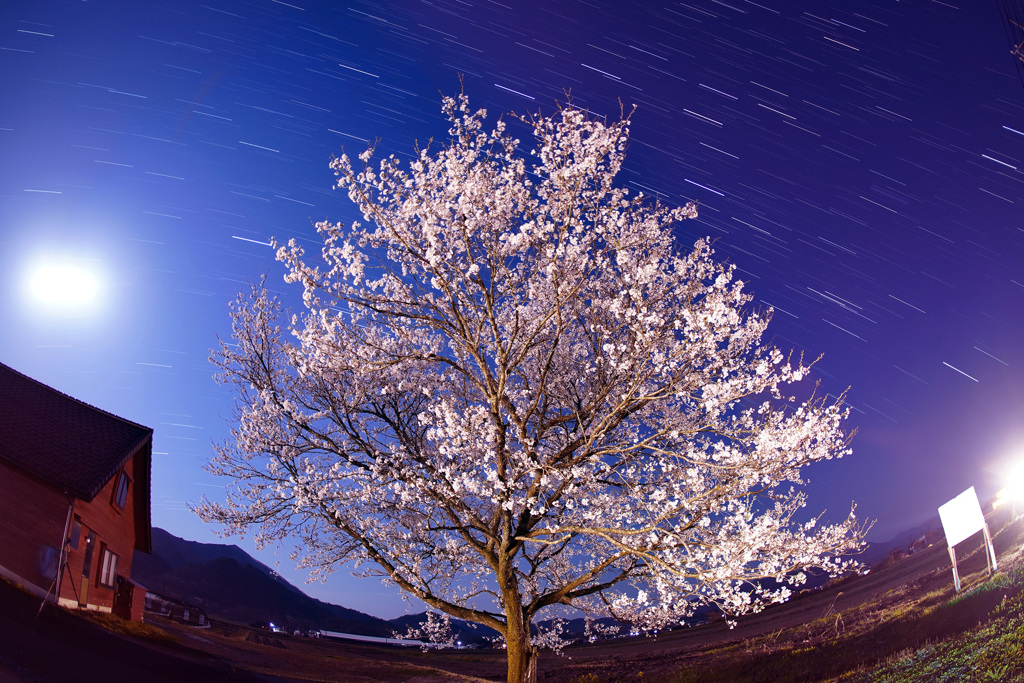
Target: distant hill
226, 582
876, 552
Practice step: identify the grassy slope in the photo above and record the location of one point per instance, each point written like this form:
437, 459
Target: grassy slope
993, 651
905, 635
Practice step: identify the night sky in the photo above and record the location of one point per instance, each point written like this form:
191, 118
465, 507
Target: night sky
860, 162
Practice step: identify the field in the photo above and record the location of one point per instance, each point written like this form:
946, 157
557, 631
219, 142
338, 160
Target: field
902, 622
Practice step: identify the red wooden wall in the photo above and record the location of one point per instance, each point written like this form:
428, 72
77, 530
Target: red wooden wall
32, 519
32, 516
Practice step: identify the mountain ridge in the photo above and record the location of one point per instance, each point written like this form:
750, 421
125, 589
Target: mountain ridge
228, 583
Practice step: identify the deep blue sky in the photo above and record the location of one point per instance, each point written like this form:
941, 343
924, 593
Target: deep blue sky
858, 161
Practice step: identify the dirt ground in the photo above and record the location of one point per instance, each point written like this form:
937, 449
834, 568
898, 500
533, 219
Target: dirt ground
62, 646
58, 645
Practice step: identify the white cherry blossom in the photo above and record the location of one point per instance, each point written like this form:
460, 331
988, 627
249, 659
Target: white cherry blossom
514, 394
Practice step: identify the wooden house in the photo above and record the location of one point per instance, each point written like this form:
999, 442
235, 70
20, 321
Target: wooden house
74, 497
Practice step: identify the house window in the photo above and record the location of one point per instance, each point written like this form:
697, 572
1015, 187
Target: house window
121, 492
108, 568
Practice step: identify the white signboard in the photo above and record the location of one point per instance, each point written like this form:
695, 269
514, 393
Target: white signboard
961, 517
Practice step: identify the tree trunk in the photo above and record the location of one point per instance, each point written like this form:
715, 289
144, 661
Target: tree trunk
522, 657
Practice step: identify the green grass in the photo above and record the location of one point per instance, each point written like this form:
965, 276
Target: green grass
993, 652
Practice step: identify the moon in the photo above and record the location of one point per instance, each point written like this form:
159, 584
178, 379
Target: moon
65, 286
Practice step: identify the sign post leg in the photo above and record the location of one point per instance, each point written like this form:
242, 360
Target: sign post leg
956, 575
992, 566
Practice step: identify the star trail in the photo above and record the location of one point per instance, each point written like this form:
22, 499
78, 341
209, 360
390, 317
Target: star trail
859, 162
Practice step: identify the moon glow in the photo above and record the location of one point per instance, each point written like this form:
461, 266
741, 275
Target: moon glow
66, 286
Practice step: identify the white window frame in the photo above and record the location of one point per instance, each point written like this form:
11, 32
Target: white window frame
108, 568
120, 497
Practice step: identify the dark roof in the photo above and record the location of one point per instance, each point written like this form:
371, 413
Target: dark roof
66, 443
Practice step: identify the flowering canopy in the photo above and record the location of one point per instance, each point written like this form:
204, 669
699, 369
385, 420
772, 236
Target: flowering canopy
511, 389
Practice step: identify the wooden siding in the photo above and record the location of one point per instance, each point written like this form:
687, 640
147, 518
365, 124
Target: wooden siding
115, 529
34, 517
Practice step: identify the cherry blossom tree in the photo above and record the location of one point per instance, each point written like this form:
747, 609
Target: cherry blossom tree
512, 394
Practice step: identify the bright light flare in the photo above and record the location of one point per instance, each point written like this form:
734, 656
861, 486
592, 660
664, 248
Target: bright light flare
1012, 492
64, 285
1014, 481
